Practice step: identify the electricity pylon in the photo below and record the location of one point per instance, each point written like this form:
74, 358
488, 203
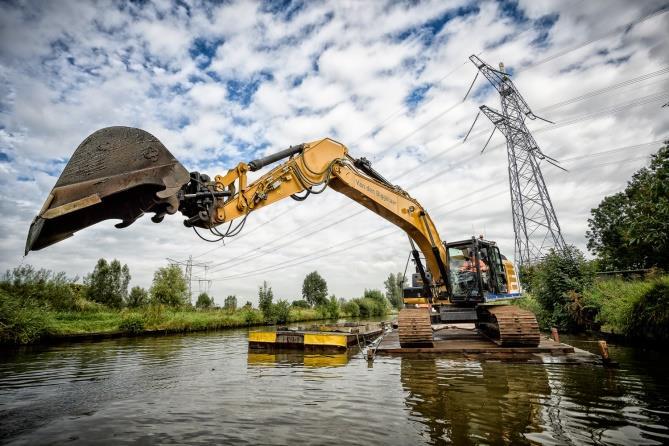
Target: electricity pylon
535, 224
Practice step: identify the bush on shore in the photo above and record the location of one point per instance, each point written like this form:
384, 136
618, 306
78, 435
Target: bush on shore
39, 303
635, 309
21, 321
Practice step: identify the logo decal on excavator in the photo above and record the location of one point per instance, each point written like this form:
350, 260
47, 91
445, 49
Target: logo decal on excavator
151, 153
369, 190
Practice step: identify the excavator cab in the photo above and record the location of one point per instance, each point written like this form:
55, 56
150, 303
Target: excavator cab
477, 270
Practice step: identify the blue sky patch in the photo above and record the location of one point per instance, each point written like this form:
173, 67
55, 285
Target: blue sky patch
544, 25
285, 9
428, 30
4, 158
242, 91
511, 9
416, 96
203, 50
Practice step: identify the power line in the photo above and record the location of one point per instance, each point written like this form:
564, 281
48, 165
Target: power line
542, 61
356, 239
254, 253
622, 28
591, 94
619, 29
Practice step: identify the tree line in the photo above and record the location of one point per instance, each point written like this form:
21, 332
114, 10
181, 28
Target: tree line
628, 235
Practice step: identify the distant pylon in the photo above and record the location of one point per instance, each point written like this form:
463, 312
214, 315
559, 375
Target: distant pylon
535, 224
187, 266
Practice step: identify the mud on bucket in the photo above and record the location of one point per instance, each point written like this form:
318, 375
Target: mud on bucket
116, 173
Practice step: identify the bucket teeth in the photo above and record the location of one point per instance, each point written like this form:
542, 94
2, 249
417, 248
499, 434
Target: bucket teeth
115, 173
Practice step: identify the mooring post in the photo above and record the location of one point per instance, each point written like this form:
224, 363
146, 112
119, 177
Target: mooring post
555, 335
604, 351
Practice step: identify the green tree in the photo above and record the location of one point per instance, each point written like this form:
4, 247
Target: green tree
333, 307
376, 296
230, 303
300, 304
41, 287
315, 289
265, 297
394, 286
169, 287
558, 282
204, 300
137, 298
108, 283
630, 229
281, 312
248, 305
351, 308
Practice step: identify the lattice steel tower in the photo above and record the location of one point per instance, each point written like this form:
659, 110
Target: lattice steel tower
535, 224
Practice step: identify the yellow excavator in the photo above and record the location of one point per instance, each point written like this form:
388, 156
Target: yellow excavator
123, 173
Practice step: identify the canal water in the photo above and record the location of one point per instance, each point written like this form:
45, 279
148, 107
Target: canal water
208, 389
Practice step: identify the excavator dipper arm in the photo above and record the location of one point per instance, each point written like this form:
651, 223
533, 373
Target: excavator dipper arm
121, 173
326, 163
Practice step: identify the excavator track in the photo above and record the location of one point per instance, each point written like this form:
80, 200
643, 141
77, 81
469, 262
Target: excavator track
509, 326
415, 327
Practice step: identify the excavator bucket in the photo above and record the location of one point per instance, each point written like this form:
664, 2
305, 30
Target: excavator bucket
116, 173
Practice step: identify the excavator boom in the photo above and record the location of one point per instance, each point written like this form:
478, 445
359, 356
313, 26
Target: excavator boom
122, 173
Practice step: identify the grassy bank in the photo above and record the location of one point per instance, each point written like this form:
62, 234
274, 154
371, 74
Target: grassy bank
25, 321
40, 304
634, 309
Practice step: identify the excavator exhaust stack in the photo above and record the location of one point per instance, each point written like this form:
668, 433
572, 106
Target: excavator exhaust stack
115, 173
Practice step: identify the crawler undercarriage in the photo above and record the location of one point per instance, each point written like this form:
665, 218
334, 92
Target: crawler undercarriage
506, 325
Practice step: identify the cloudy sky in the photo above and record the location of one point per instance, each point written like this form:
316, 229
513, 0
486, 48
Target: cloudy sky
224, 82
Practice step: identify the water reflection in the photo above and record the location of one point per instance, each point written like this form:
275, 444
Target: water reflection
472, 402
208, 389
297, 358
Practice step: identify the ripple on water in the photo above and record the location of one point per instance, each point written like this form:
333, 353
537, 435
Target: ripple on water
206, 388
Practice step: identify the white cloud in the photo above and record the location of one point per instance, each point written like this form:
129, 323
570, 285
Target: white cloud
336, 69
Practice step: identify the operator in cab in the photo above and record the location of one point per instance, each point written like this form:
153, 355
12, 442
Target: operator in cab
470, 263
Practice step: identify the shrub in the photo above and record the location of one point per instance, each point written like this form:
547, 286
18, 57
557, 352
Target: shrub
611, 300
351, 308
281, 312
132, 323
322, 312
251, 316
41, 286
300, 304
153, 315
137, 298
204, 301
649, 317
528, 302
556, 280
333, 307
371, 307
170, 287
21, 321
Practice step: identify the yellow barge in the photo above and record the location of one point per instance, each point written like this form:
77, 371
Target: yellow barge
320, 338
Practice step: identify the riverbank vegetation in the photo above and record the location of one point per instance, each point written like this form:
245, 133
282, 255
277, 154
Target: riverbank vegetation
624, 290
39, 304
